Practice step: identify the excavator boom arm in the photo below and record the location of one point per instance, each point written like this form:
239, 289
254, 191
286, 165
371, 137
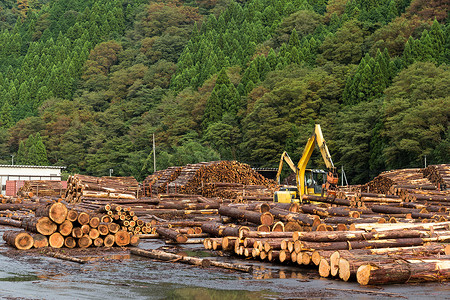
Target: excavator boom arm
285, 157
317, 137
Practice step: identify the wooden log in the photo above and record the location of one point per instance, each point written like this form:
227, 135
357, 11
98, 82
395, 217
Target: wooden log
42, 225
288, 216
70, 242
122, 238
402, 271
329, 200
64, 257
21, 240
348, 266
83, 218
228, 242
65, 228
161, 255
171, 234
317, 255
134, 240
250, 216
10, 222
40, 240
261, 234
72, 215
57, 212
113, 228
109, 240
103, 228
218, 229
342, 236
278, 226
85, 229
401, 242
284, 255
324, 267
77, 232
94, 234
84, 242
98, 242
56, 240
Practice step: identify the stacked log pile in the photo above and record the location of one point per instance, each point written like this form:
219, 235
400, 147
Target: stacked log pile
372, 247
388, 182
57, 225
194, 177
158, 182
439, 175
237, 191
83, 188
41, 188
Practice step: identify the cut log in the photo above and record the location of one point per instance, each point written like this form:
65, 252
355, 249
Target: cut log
403, 271
70, 242
134, 240
10, 222
250, 216
171, 234
40, 240
122, 238
56, 240
109, 240
83, 218
98, 242
94, 234
41, 225
21, 240
72, 215
166, 256
57, 212
65, 228
287, 216
84, 242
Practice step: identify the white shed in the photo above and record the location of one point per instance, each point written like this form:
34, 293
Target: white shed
22, 172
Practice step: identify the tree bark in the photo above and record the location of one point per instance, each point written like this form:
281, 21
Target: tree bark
21, 240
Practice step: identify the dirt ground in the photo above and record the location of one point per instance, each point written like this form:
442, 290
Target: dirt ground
115, 274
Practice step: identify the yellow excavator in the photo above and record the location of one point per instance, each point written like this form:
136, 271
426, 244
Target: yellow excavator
308, 181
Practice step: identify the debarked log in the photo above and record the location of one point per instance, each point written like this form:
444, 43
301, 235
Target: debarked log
166, 256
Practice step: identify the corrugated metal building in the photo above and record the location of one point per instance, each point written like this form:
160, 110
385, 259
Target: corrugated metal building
20, 173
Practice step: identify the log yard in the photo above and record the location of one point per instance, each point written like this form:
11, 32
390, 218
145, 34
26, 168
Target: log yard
211, 229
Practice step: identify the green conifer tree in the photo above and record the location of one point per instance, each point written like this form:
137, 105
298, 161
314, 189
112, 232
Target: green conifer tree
6, 120
22, 156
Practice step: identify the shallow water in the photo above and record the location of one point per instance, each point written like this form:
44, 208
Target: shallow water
123, 276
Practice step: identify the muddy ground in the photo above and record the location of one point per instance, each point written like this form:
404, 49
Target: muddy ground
115, 274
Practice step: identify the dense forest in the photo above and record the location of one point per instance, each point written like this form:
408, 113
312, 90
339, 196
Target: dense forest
85, 84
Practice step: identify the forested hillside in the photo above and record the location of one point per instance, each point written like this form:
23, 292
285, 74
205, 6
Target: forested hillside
86, 83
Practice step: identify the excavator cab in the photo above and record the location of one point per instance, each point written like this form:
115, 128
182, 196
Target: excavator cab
315, 181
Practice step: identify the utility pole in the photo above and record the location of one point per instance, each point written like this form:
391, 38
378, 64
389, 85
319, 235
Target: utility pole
12, 159
154, 154
425, 161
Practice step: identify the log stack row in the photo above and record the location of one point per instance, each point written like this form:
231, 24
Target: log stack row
51, 188
158, 182
83, 188
57, 226
193, 177
375, 252
388, 182
439, 175
237, 191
